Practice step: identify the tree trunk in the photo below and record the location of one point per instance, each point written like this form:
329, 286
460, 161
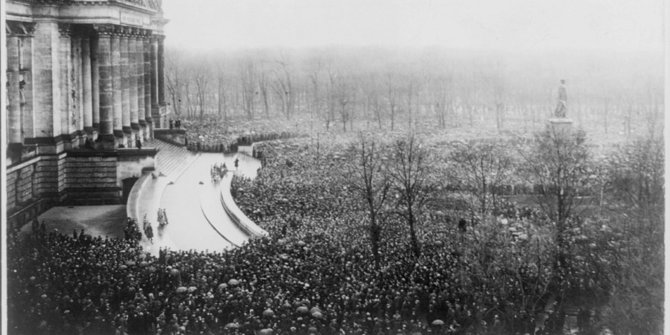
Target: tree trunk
412, 232
375, 235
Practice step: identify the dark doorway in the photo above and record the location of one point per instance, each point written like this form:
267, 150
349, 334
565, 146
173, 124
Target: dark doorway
127, 186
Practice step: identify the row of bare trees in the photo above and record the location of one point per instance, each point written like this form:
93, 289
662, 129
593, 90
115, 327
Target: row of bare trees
403, 92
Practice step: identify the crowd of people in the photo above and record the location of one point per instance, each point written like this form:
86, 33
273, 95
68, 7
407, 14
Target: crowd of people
208, 137
218, 171
314, 274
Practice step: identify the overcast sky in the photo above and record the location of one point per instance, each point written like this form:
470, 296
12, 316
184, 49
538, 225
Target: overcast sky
626, 25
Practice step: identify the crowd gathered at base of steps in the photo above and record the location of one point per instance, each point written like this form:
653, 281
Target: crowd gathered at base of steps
209, 137
314, 274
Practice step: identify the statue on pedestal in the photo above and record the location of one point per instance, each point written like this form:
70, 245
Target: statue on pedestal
562, 107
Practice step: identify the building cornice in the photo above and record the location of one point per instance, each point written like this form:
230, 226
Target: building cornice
132, 13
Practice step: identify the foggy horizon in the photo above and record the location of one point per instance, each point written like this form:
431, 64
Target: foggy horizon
519, 26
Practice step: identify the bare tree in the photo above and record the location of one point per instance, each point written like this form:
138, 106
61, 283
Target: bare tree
498, 92
480, 168
373, 103
343, 96
410, 91
439, 100
392, 98
173, 79
201, 81
315, 80
558, 161
189, 95
248, 88
283, 86
332, 97
370, 179
222, 95
263, 86
409, 173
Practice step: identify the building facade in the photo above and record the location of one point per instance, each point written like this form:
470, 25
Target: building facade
85, 87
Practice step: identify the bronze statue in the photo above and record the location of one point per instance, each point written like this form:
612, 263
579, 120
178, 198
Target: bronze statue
562, 106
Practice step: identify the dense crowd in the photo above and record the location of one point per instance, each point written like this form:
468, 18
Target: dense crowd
315, 273
80, 284
208, 137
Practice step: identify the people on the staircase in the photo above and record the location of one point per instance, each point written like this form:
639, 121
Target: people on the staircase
162, 218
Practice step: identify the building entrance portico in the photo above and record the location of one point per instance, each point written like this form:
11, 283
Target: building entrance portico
75, 75
84, 87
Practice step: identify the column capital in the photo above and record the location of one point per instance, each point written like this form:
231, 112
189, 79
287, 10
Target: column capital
157, 38
64, 29
104, 29
124, 31
135, 32
145, 33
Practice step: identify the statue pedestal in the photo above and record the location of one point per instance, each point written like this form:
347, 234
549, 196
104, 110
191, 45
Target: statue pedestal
560, 125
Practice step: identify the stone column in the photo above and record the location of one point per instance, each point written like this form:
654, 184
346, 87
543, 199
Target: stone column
87, 103
155, 111
13, 91
76, 91
26, 80
139, 61
161, 71
46, 82
147, 85
125, 87
95, 85
132, 57
65, 97
105, 84
117, 90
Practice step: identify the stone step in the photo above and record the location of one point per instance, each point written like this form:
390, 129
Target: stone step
171, 160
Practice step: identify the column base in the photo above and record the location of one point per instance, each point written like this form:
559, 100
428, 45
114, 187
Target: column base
137, 133
14, 151
128, 139
119, 138
143, 130
150, 129
107, 141
91, 133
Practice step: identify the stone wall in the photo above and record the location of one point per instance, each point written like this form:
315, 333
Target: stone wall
24, 200
72, 178
20, 181
91, 179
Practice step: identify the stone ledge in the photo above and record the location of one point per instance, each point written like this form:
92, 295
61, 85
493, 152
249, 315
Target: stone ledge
235, 213
130, 152
163, 131
92, 153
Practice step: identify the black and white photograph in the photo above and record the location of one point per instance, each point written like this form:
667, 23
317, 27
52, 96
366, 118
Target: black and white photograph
336, 167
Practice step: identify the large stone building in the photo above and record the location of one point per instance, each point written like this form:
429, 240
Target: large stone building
84, 87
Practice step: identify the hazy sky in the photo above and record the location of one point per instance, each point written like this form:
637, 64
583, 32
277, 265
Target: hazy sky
489, 24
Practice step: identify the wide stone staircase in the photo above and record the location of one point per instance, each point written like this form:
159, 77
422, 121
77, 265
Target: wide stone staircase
171, 160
